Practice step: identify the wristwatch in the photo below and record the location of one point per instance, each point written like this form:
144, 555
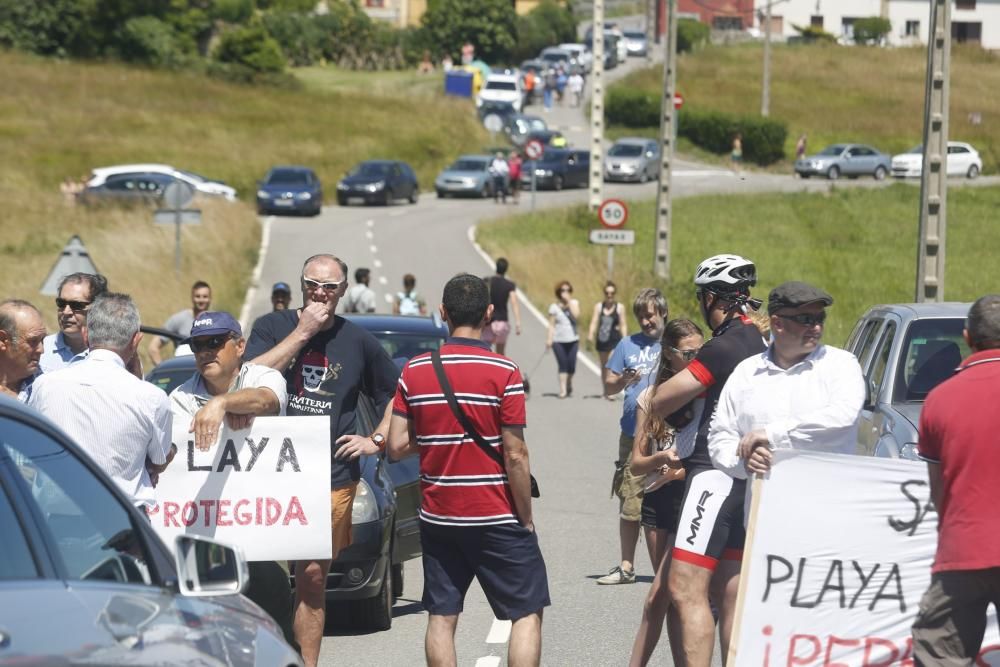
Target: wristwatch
379, 440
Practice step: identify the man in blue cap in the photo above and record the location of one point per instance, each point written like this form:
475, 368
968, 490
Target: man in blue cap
281, 296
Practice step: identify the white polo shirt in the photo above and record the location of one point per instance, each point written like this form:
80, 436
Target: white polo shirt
189, 397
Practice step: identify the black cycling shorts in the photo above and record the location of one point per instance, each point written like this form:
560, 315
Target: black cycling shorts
711, 523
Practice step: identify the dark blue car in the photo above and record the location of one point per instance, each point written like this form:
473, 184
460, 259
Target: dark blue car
558, 168
378, 182
290, 190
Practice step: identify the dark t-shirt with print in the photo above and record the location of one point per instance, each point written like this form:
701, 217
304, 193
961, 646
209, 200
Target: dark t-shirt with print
328, 375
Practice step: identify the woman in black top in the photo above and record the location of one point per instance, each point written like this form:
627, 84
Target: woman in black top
607, 327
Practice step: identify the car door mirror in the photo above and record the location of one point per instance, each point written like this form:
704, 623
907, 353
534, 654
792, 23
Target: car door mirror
207, 568
870, 391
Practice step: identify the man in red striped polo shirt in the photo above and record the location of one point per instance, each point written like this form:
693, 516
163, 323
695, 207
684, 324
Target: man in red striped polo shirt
476, 514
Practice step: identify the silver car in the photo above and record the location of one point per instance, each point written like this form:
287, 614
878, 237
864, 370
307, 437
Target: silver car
468, 175
851, 160
84, 580
633, 159
905, 350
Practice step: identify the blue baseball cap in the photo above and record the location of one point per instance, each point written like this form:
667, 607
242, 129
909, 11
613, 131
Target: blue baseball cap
215, 322
281, 287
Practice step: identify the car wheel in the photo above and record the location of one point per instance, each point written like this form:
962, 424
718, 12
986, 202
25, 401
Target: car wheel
833, 173
973, 171
557, 182
317, 210
487, 192
388, 197
440, 194
375, 613
880, 173
804, 175
643, 177
342, 201
415, 195
397, 581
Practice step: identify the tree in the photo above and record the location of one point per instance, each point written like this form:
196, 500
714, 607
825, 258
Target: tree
871, 30
251, 47
489, 25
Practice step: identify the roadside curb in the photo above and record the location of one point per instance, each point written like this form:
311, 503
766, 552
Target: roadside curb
265, 241
583, 357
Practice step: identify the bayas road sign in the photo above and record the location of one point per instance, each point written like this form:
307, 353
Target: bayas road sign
612, 236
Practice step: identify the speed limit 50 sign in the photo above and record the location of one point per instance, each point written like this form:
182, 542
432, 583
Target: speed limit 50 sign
613, 213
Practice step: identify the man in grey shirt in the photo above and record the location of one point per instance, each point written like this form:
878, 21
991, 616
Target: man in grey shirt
360, 298
180, 322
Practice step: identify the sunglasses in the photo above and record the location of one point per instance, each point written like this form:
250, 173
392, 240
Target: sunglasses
806, 319
566, 289
329, 288
686, 355
609, 294
211, 343
75, 306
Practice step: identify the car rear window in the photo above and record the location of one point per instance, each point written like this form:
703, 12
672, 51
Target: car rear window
932, 351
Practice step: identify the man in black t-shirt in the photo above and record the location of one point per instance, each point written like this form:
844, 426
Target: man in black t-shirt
502, 293
709, 545
328, 362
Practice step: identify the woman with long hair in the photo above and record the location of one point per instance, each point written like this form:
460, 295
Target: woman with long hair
659, 444
562, 335
607, 326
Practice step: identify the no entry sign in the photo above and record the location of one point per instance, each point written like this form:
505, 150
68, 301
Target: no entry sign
534, 149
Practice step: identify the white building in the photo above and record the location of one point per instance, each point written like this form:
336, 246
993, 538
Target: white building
976, 21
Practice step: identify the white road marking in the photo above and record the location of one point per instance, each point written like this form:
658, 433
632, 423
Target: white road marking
369, 235
373, 248
382, 280
377, 263
370, 223
499, 632
265, 241
488, 661
490, 262
397, 213
702, 172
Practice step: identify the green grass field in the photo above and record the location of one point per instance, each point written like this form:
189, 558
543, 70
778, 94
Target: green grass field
836, 93
860, 245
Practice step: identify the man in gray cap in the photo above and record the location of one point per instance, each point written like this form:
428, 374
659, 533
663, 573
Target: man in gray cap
797, 394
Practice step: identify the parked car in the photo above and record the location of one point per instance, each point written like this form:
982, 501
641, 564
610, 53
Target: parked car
558, 169
614, 43
503, 111
851, 160
553, 138
635, 43
579, 55
142, 188
379, 182
290, 189
633, 159
519, 126
84, 579
468, 175
962, 160
504, 87
554, 56
201, 184
368, 575
534, 65
905, 350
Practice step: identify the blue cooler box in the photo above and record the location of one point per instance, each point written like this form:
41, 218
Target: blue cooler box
458, 83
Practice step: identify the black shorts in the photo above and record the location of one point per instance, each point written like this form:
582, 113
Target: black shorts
505, 559
608, 345
711, 523
661, 508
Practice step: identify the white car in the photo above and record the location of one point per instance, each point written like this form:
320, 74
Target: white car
581, 55
201, 184
502, 88
963, 160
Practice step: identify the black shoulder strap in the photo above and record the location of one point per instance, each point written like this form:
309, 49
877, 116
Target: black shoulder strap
460, 415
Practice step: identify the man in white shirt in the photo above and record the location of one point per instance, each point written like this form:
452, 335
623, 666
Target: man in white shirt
360, 298
76, 292
798, 394
122, 422
499, 170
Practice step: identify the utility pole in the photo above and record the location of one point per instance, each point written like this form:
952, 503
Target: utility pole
650, 28
597, 109
934, 174
765, 95
668, 119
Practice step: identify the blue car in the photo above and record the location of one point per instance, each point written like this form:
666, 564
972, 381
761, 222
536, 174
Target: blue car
558, 168
290, 190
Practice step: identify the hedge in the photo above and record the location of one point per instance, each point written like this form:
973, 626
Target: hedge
763, 138
691, 33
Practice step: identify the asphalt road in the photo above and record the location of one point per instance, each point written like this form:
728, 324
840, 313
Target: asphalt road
573, 442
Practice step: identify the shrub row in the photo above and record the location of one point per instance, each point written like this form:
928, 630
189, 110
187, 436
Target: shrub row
763, 138
691, 33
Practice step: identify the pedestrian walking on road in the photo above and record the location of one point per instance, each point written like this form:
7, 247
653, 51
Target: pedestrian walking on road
360, 298
549, 88
631, 368
514, 164
499, 171
22, 332
958, 441
561, 80
576, 87
658, 453
736, 155
180, 322
562, 336
408, 302
530, 80
484, 530
607, 327
503, 298
75, 294
328, 362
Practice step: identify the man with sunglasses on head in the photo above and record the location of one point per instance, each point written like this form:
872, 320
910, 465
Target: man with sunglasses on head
328, 362
710, 534
76, 292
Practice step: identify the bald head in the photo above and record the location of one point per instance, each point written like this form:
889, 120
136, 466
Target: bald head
21, 334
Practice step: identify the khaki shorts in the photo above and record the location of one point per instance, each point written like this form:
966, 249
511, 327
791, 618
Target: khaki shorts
951, 622
624, 484
341, 504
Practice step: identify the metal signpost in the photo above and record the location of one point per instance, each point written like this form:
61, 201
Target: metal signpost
533, 150
176, 196
613, 214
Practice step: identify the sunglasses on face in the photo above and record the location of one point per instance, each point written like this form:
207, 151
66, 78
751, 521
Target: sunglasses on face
686, 355
566, 289
314, 285
75, 306
609, 294
806, 319
210, 343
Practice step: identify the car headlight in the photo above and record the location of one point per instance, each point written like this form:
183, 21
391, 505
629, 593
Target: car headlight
909, 452
303, 195
365, 509
263, 194
341, 186
375, 187
543, 172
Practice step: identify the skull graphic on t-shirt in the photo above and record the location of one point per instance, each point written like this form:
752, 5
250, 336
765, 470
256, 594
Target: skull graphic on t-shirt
316, 370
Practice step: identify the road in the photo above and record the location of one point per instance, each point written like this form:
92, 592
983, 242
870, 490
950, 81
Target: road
573, 442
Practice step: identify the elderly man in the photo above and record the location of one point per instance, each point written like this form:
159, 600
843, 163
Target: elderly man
181, 321
225, 388
21, 334
122, 422
328, 363
76, 292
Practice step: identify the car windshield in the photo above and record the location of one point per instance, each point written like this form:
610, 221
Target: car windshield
169, 379
369, 169
625, 150
553, 57
407, 346
634, 34
933, 350
197, 178
287, 177
836, 149
468, 165
500, 85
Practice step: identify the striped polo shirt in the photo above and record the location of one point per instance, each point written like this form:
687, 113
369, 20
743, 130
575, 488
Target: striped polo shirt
461, 485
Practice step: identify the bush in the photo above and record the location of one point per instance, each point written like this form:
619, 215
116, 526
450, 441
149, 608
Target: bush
46, 28
299, 36
251, 47
150, 41
547, 24
489, 25
691, 33
763, 138
871, 30
631, 108
811, 34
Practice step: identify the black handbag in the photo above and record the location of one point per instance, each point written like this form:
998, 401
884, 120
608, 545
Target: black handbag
466, 423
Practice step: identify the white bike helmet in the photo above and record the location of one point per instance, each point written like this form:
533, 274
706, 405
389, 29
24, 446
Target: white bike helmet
726, 273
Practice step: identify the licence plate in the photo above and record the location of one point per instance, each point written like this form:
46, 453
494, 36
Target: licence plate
283, 202
355, 200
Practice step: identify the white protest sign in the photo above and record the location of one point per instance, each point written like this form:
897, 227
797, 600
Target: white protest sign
838, 556
265, 489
